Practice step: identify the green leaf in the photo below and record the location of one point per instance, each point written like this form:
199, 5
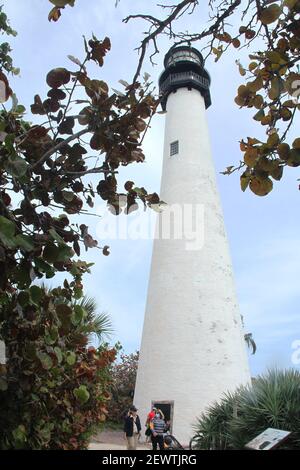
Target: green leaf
140, 191
30, 351
64, 253
22, 275
58, 354
55, 236
16, 166
78, 315
290, 3
276, 88
274, 57
244, 182
259, 115
24, 242
294, 158
9, 143
36, 294
277, 173
256, 85
50, 253
68, 196
296, 144
15, 101
82, 394
19, 434
44, 267
270, 14
75, 60
51, 335
70, 358
7, 232
53, 253
45, 359
20, 109
273, 140
51, 384
23, 298
3, 384
78, 293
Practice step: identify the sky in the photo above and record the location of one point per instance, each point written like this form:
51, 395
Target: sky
263, 233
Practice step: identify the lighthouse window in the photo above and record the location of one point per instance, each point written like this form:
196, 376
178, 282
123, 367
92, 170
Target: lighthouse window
183, 55
174, 148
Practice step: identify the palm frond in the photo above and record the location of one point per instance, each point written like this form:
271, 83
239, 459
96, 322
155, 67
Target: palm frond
97, 324
273, 400
100, 326
250, 342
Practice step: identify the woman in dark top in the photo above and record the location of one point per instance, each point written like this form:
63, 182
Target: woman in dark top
132, 428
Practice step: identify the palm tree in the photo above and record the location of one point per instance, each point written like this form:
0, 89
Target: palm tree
249, 338
95, 324
250, 342
272, 401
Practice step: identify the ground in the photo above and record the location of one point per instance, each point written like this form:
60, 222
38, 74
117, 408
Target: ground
110, 439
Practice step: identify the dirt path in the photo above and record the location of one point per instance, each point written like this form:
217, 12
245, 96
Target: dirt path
113, 440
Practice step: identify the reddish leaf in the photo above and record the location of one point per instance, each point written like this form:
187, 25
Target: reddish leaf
66, 126
76, 247
57, 94
99, 49
37, 107
58, 77
54, 14
105, 250
5, 90
51, 106
129, 185
96, 142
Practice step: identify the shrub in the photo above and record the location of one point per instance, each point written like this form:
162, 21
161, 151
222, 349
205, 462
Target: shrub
123, 377
273, 400
53, 388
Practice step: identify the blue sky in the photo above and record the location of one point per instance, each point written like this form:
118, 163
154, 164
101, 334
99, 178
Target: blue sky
263, 232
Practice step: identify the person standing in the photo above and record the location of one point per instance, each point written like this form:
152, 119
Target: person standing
132, 428
150, 417
157, 426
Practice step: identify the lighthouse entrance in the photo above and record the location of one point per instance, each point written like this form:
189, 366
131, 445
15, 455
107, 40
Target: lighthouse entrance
167, 407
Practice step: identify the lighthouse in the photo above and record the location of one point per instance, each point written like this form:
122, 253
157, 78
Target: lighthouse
193, 349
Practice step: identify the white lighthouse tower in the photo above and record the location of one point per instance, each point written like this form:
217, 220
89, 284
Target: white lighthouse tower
193, 347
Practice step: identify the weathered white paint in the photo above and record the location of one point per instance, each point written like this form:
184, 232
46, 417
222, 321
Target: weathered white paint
2, 352
192, 348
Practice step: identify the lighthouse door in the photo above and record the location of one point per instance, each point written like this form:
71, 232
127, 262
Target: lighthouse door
167, 407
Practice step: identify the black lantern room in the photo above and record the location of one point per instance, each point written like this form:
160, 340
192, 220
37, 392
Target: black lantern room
184, 68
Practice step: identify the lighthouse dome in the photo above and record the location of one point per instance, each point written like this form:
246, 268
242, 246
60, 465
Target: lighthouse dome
184, 67
183, 54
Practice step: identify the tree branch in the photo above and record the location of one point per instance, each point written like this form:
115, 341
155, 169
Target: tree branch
162, 25
219, 20
58, 147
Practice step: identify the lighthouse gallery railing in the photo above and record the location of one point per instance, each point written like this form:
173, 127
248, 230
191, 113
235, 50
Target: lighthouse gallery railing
182, 77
